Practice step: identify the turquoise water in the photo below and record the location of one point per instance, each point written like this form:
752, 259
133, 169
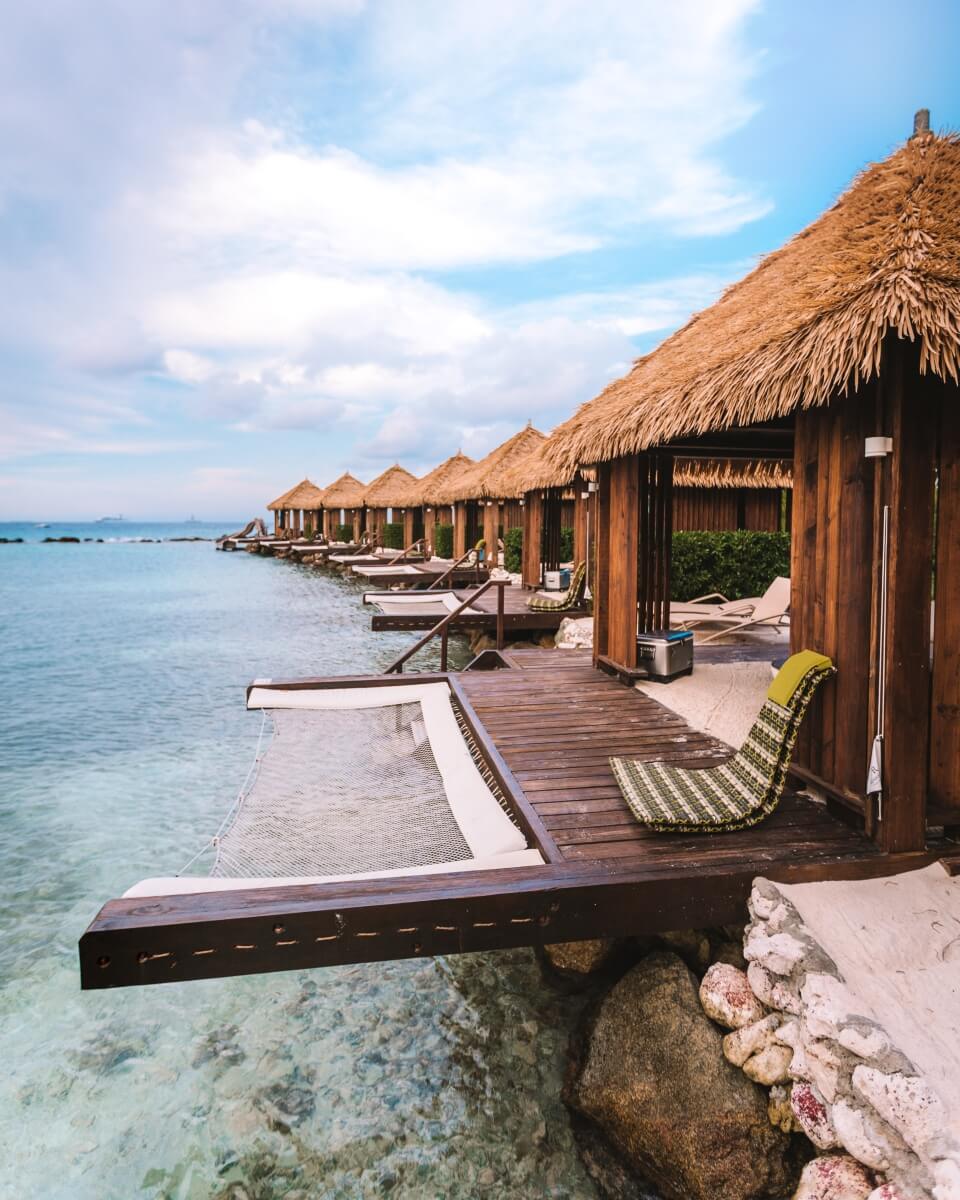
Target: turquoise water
124, 739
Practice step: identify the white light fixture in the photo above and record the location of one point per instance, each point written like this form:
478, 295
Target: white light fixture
592, 486
584, 495
878, 447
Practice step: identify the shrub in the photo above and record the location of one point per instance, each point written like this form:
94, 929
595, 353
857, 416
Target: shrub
737, 563
443, 541
392, 535
344, 533
566, 545
513, 550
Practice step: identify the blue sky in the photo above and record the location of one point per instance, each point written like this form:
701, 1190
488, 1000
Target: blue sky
246, 241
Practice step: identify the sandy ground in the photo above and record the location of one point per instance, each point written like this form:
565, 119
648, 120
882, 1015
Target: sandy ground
721, 699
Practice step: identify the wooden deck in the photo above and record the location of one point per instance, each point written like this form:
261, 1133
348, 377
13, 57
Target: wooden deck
516, 614
546, 726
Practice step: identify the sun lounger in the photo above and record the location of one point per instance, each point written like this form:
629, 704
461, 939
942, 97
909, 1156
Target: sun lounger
769, 609
570, 599
745, 789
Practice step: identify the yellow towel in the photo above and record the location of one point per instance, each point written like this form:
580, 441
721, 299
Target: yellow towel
792, 673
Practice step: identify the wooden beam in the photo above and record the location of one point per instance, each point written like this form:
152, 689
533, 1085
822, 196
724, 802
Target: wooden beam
622, 542
532, 537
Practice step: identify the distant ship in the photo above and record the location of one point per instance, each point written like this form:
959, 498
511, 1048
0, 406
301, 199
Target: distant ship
192, 521
100, 520
43, 525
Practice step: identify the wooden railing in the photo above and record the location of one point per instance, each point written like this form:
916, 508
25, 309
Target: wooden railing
443, 627
403, 554
450, 570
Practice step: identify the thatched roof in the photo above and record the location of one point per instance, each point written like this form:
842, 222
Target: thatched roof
389, 489
808, 322
489, 479
304, 495
711, 473
427, 489
345, 492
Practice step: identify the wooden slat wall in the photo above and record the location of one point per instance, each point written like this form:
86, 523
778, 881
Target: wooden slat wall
655, 539
945, 706
718, 509
567, 511
512, 515
532, 536
553, 509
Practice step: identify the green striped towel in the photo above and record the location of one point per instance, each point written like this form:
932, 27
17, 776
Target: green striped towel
745, 789
571, 598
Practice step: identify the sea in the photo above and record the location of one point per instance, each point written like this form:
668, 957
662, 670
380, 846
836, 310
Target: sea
123, 741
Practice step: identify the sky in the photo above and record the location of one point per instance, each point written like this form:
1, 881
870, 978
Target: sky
248, 241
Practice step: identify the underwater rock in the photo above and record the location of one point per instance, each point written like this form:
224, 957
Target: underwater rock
650, 1073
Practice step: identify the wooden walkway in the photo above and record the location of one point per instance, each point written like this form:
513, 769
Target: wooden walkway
556, 721
546, 726
516, 614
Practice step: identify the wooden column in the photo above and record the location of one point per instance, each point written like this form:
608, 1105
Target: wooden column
356, 518
581, 521
911, 415
491, 530
276, 522
654, 540
945, 706
532, 537
600, 584
408, 534
429, 521
459, 529
622, 539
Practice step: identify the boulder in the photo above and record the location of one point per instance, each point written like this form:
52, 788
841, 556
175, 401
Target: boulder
834, 1177
650, 1072
575, 960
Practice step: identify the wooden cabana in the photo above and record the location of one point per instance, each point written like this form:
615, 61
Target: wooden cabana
479, 495
298, 512
842, 351
343, 505
552, 500
421, 501
383, 500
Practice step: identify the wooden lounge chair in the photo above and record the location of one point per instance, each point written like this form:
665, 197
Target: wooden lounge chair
745, 789
570, 599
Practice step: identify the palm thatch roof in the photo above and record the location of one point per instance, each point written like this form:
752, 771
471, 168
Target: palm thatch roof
732, 473
805, 324
490, 478
428, 489
389, 488
304, 495
345, 492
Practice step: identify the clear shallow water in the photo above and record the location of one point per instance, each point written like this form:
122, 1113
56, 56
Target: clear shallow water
122, 742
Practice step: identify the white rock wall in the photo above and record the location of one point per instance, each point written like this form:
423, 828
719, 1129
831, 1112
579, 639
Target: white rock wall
833, 1073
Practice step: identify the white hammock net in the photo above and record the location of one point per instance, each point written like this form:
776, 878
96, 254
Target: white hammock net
342, 791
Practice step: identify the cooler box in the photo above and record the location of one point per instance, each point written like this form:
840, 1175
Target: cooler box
551, 581
665, 653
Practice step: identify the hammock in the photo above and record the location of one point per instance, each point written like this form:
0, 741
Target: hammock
358, 783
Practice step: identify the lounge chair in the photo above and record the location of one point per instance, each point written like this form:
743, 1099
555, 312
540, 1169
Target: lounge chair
770, 609
745, 789
570, 599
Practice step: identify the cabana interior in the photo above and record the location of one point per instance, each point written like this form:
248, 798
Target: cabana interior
840, 353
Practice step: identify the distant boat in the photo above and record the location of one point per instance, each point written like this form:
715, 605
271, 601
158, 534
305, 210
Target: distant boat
42, 525
100, 520
192, 521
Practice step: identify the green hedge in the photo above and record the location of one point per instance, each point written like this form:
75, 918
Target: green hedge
737, 563
513, 550
566, 545
344, 533
393, 535
443, 541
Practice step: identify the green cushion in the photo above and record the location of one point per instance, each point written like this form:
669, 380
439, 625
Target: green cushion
793, 672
